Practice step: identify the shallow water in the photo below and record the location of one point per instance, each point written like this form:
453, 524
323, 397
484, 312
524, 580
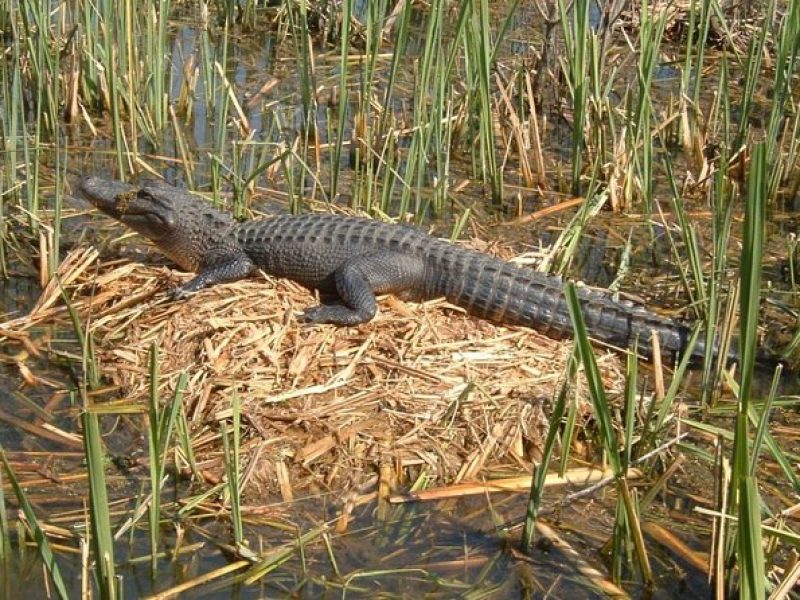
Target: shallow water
443, 549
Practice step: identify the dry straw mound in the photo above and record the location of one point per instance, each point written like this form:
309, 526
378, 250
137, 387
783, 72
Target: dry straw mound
422, 389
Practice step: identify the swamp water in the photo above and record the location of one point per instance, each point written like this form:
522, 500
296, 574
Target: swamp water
322, 525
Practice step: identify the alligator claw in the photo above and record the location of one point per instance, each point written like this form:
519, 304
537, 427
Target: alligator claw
312, 316
178, 293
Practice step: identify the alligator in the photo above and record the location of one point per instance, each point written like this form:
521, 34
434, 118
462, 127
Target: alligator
350, 260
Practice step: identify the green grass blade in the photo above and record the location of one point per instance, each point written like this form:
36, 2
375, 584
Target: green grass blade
232, 458
602, 410
540, 471
42, 545
749, 543
102, 540
603, 415
5, 533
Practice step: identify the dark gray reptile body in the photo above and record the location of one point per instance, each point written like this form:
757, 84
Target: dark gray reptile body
350, 259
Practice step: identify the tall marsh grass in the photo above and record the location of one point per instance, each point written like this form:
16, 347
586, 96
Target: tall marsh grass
411, 111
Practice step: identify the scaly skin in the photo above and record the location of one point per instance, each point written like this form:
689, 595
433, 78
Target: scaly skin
351, 259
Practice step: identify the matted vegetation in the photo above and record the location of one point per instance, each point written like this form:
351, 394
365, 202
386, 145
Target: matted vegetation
272, 449
427, 392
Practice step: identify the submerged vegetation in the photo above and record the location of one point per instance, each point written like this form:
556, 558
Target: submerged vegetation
213, 445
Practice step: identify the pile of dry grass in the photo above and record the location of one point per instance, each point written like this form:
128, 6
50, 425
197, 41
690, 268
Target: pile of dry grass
421, 390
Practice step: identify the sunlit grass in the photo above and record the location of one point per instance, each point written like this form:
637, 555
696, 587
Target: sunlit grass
101, 527
577, 37
541, 470
744, 482
627, 528
35, 530
161, 423
428, 112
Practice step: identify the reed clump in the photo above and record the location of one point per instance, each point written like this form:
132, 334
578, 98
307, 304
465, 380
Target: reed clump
423, 387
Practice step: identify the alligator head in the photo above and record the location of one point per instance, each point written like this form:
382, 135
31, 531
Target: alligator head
183, 226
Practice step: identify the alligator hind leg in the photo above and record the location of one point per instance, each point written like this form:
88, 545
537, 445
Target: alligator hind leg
360, 278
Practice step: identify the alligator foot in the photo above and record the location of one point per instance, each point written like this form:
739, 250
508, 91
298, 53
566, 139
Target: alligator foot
335, 314
180, 293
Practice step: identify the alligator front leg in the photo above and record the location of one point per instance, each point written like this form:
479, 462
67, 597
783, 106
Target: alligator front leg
359, 279
232, 269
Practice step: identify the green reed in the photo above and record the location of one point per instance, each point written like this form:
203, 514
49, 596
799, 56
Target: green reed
306, 71
753, 68
155, 53
273, 558
247, 14
44, 64
182, 149
7, 18
343, 100
161, 423
99, 518
218, 98
791, 156
378, 140
10, 87
576, 37
226, 12
35, 529
231, 449
365, 154
541, 469
399, 58
571, 428
91, 367
117, 39
692, 274
307, 141
654, 423
650, 35
114, 56
787, 57
479, 51
428, 104
744, 485
723, 204
762, 421
565, 247
692, 72
5, 532
183, 432
627, 531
